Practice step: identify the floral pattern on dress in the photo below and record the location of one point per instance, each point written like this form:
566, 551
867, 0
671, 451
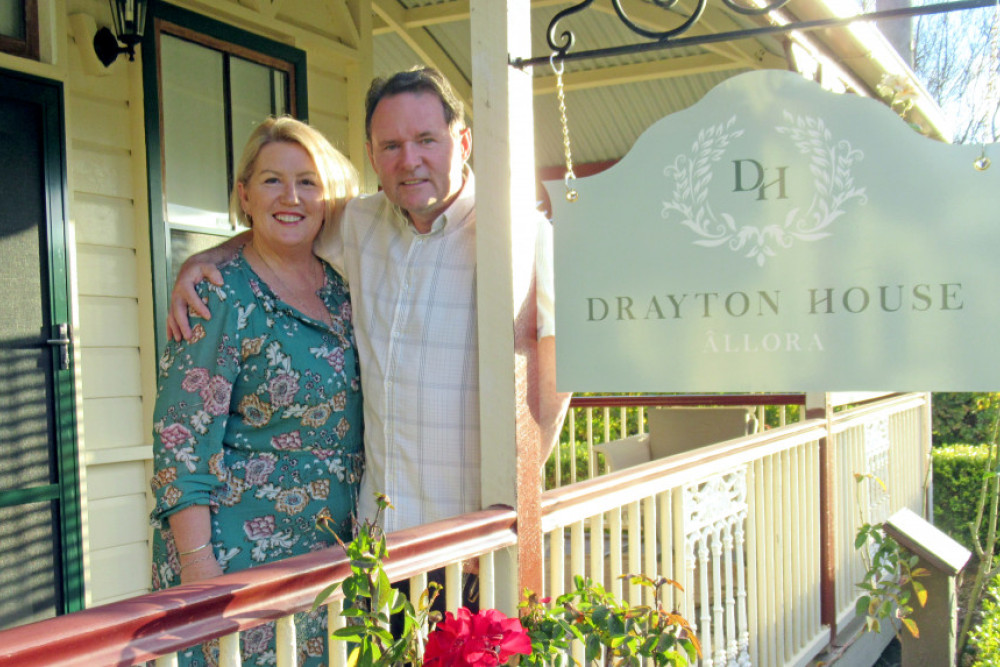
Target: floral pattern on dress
259, 418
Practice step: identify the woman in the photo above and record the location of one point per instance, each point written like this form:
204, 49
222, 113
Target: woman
258, 426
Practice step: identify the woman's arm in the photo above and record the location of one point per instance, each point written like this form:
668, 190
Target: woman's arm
195, 387
199, 266
192, 530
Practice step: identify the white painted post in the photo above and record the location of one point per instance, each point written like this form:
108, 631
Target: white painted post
359, 76
503, 150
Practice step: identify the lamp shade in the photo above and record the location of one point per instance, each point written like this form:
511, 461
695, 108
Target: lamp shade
130, 20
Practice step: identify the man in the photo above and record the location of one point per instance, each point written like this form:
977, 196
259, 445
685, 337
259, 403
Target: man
408, 254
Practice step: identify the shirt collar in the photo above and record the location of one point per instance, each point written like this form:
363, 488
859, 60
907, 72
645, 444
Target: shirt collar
454, 214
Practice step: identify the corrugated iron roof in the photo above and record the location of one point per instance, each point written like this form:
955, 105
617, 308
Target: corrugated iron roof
604, 120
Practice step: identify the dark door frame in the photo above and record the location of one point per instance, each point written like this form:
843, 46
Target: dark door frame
64, 489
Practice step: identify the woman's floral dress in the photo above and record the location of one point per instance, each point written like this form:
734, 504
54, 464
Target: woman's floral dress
259, 417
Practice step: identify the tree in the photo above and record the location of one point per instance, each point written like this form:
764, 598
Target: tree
957, 56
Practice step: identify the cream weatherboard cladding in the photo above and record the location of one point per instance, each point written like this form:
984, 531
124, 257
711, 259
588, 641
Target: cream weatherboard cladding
110, 246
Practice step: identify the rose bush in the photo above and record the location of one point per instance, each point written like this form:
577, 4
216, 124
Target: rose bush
543, 635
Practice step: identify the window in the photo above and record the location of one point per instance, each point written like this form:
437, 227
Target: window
213, 84
19, 27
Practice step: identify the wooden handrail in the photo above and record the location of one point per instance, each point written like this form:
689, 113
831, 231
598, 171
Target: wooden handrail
145, 627
564, 505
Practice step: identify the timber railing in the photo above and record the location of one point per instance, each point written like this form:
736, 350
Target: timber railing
758, 530
594, 420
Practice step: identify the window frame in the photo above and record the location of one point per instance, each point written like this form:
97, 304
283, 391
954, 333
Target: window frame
27, 47
232, 41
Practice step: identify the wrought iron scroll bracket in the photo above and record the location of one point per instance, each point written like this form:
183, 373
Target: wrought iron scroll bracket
561, 42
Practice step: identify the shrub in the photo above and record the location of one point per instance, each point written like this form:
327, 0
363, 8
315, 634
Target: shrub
958, 475
986, 636
964, 417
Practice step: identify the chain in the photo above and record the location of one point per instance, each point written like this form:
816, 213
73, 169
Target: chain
571, 194
982, 163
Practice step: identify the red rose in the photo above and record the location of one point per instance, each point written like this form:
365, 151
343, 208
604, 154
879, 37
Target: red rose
487, 639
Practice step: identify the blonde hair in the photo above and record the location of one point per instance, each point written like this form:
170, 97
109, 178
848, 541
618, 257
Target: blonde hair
336, 173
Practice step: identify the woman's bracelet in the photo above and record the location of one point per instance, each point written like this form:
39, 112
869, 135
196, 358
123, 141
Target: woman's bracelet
198, 560
195, 550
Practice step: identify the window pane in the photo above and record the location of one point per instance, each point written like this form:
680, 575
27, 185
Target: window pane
185, 243
12, 18
194, 134
254, 97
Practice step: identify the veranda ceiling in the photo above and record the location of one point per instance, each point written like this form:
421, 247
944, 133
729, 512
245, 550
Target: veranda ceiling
610, 101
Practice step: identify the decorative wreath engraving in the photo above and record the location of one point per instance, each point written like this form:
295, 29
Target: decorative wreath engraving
830, 163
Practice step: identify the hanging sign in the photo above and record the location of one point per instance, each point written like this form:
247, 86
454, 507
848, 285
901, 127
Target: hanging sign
779, 237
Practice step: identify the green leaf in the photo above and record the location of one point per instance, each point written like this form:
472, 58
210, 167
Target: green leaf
911, 625
921, 592
349, 632
885, 609
384, 589
383, 634
398, 601
323, 595
593, 650
676, 659
860, 539
353, 612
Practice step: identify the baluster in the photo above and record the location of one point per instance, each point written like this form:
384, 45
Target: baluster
488, 582
336, 649
453, 586
714, 538
705, 614
557, 563
577, 558
783, 537
229, 650
742, 627
418, 584
597, 560
634, 551
615, 539
771, 579
684, 602
727, 557
284, 641
665, 529
649, 545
